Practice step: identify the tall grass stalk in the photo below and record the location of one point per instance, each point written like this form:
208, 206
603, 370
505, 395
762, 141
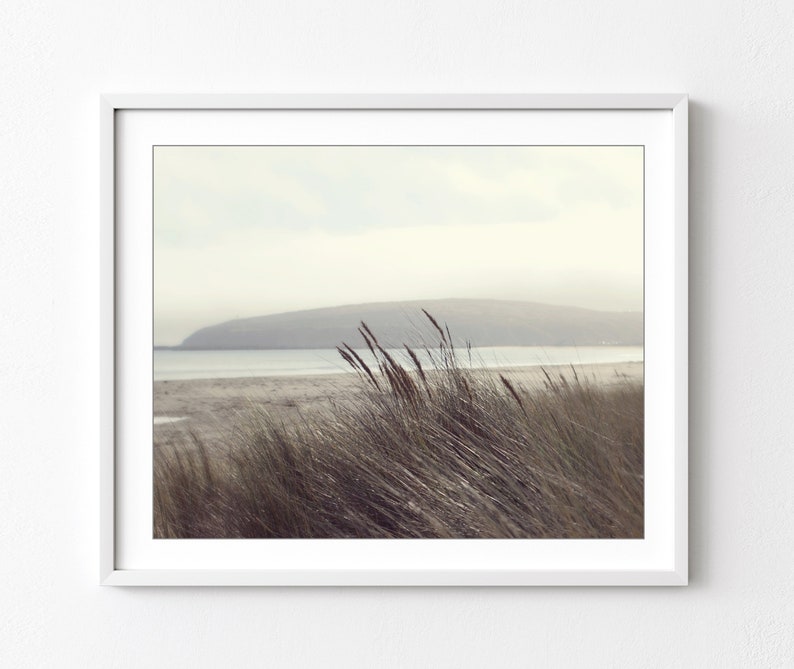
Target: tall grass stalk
433, 453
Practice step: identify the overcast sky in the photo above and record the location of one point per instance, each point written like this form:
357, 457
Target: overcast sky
248, 231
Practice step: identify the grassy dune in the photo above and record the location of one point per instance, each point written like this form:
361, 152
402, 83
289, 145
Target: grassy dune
447, 453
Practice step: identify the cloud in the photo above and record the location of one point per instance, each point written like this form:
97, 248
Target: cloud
206, 193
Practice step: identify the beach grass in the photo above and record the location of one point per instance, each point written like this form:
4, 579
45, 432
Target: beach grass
441, 452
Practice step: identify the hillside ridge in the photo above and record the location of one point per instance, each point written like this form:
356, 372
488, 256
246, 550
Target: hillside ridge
479, 321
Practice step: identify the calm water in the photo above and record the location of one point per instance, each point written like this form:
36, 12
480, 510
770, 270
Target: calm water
174, 365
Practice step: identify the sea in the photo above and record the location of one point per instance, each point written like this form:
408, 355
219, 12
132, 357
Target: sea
172, 365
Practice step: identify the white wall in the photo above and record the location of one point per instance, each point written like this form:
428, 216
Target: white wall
734, 58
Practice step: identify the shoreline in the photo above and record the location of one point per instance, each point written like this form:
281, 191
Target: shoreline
212, 407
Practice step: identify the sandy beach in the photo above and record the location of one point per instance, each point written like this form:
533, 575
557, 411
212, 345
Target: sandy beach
212, 408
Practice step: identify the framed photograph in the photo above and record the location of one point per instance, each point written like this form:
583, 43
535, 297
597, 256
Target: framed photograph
394, 340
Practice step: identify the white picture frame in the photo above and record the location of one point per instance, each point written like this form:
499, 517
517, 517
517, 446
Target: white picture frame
129, 123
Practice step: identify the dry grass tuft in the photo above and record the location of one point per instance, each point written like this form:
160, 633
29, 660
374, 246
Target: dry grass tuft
433, 453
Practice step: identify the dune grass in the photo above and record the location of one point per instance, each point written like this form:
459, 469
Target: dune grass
448, 452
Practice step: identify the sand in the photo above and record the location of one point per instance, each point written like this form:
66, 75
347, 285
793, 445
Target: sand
211, 408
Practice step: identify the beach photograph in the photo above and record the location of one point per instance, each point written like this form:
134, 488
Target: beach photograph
398, 342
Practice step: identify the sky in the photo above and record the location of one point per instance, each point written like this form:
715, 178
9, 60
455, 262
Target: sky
249, 231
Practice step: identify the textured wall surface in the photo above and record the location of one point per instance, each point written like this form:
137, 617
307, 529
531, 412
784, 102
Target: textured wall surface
734, 58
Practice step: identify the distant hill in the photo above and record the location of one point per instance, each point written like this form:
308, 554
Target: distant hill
482, 322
